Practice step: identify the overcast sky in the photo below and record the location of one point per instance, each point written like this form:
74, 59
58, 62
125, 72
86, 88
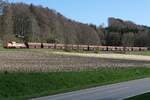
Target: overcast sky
98, 11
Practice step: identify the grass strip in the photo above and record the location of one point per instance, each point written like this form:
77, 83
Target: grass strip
145, 96
19, 86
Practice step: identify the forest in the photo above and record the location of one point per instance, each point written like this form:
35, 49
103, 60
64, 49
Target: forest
29, 23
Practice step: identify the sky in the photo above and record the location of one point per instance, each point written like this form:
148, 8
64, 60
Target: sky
98, 11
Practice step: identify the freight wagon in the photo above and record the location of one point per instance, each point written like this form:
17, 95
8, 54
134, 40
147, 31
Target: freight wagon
72, 47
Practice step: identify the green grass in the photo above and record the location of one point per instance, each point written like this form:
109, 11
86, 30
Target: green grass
145, 96
20, 86
145, 53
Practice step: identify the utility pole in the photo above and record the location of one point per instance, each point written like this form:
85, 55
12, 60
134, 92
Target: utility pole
23, 22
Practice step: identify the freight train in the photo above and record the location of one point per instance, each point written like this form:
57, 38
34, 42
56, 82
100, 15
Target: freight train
72, 47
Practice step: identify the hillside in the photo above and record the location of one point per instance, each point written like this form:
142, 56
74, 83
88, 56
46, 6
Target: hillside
38, 24
126, 33
120, 24
22, 22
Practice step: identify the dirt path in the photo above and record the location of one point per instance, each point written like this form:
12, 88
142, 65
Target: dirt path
108, 56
